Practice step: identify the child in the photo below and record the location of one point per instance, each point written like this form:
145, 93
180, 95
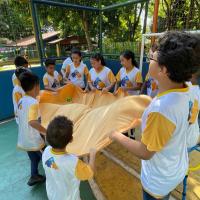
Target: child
150, 85
166, 122
64, 171
19, 62
52, 79
29, 138
18, 92
100, 76
129, 75
76, 71
66, 62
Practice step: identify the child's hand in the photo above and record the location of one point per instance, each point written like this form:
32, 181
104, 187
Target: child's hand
113, 135
93, 152
104, 90
93, 89
86, 90
115, 93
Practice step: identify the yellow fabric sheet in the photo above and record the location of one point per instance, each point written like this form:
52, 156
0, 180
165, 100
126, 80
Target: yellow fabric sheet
94, 114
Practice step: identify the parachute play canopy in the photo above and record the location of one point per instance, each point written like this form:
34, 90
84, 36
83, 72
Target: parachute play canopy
94, 114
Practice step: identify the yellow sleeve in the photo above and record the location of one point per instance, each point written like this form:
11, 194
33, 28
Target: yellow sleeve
158, 132
111, 77
89, 78
138, 77
45, 81
33, 112
16, 82
68, 69
17, 96
83, 171
118, 76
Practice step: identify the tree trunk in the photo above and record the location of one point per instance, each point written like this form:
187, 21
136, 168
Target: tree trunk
86, 30
136, 20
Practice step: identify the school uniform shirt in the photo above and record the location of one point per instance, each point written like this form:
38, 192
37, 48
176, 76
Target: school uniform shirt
76, 74
29, 139
165, 125
194, 133
52, 82
66, 62
63, 174
101, 79
15, 80
152, 86
129, 78
17, 94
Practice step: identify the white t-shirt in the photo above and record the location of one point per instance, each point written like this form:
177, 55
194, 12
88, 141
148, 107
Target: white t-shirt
52, 82
63, 174
17, 94
194, 133
152, 86
29, 139
76, 74
15, 80
102, 79
129, 79
165, 129
66, 62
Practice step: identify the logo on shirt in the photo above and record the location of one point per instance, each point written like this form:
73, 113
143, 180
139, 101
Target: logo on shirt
76, 74
98, 83
51, 163
125, 82
55, 84
151, 84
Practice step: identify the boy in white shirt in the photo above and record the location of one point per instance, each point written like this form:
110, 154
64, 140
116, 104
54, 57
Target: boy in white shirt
20, 61
63, 170
169, 119
18, 92
29, 138
52, 79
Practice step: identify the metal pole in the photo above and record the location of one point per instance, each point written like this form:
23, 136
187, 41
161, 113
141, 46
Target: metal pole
37, 32
145, 17
112, 7
65, 5
100, 28
142, 52
155, 19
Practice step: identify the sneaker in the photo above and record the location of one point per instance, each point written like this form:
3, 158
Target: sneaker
36, 179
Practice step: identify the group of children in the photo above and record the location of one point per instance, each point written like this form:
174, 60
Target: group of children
99, 77
169, 124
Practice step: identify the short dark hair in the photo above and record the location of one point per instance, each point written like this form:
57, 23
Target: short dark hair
99, 57
50, 62
76, 51
179, 52
28, 81
129, 55
20, 61
19, 71
59, 132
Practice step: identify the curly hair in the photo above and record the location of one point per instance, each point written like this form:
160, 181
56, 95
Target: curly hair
179, 52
